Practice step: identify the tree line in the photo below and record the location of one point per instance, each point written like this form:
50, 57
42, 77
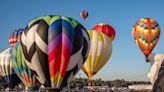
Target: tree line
80, 82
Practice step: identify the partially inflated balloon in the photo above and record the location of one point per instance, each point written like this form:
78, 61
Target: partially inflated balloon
55, 47
156, 73
15, 37
20, 67
6, 69
105, 28
146, 34
100, 52
159, 82
84, 14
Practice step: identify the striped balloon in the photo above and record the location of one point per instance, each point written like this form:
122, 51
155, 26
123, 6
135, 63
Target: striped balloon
6, 69
146, 34
55, 48
99, 54
20, 67
15, 37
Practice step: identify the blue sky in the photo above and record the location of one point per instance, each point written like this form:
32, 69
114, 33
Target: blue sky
127, 61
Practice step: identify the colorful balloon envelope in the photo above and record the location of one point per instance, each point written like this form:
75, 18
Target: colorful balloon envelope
84, 14
105, 28
55, 48
20, 67
146, 33
15, 37
6, 69
99, 54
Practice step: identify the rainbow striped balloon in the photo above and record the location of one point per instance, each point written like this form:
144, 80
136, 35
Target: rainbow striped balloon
55, 47
20, 67
15, 37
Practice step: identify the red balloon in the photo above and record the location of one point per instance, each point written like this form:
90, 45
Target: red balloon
105, 28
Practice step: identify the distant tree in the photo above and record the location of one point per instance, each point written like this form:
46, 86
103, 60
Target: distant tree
109, 84
80, 82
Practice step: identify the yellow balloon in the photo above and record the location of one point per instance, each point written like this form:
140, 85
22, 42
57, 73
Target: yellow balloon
99, 54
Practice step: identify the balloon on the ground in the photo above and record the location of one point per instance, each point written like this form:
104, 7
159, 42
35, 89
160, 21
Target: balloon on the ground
15, 37
105, 28
6, 69
146, 33
20, 67
99, 54
156, 61
156, 73
84, 14
55, 48
159, 83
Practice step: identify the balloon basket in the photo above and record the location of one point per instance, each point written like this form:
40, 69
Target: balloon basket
147, 60
29, 89
90, 83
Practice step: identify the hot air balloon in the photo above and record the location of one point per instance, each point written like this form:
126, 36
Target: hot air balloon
55, 48
15, 37
84, 14
20, 67
146, 34
6, 69
99, 54
105, 28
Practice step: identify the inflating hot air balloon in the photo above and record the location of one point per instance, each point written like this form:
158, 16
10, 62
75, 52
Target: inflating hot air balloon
159, 83
55, 48
84, 14
6, 69
156, 74
99, 54
146, 34
105, 28
20, 67
15, 37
